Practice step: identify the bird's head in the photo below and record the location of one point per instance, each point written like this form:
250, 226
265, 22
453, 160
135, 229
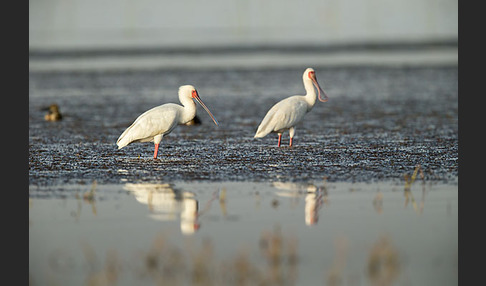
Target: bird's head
53, 108
310, 74
191, 92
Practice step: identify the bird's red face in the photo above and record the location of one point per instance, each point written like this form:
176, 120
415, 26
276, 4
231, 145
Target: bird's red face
312, 76
195, 95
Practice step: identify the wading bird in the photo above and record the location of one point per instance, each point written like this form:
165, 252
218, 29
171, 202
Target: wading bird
153, 124
287, 113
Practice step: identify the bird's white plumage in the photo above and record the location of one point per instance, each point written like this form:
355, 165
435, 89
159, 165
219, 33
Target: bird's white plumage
282, 116
154, 123
289, 112
159, 120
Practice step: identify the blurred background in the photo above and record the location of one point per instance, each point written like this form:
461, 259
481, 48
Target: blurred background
306, 26
152, 23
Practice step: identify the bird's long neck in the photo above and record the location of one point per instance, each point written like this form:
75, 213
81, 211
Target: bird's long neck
188, 110
310, 96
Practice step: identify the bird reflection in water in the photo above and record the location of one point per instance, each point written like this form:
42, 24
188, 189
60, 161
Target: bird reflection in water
315, 197
313, 203
166, 204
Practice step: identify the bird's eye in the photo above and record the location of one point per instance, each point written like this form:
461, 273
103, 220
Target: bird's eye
194, 93
311, 74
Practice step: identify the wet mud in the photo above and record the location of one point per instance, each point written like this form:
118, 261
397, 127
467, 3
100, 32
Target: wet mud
378, 124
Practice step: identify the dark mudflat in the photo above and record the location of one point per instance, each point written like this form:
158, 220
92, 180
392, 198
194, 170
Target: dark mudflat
378, 124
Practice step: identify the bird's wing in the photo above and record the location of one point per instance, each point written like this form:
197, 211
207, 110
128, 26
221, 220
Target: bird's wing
158, 120
290, 113
282, 115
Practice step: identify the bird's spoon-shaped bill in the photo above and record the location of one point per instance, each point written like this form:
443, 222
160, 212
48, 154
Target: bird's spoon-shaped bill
195, 95
320, 90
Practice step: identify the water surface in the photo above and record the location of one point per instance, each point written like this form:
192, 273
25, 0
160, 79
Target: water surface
218, 232
219, 207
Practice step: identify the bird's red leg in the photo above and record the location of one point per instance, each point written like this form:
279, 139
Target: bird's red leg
290, 144
279, 138
156, 150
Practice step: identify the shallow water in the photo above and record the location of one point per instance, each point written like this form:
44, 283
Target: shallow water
310, 233
219, 207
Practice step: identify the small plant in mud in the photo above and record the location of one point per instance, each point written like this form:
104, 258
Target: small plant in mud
408, 193
409, 180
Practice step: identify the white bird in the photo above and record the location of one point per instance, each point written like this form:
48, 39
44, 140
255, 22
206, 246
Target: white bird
287, 113
153, 124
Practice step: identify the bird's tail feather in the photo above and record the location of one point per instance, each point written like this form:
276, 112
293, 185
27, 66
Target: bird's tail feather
122, 141
264, 128
262, 132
